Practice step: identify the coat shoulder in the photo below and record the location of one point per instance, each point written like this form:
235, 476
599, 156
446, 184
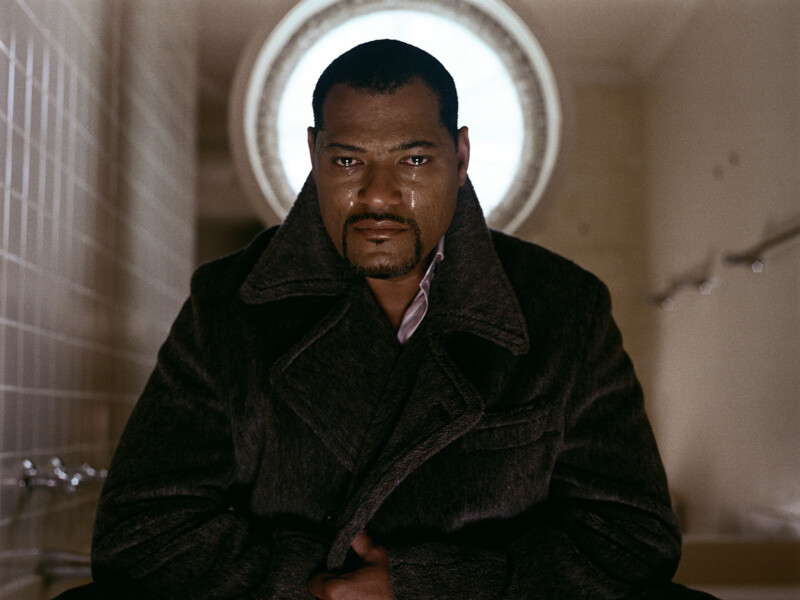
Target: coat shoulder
214, 308
540, 274
220, 279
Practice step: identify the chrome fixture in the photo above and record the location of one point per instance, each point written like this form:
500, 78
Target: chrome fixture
58, 476
754, 256
666, 298
698, 278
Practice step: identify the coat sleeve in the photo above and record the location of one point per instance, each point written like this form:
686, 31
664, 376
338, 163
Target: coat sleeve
606, 529
168, 521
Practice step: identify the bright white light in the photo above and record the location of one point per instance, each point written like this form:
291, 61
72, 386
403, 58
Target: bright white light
488, 100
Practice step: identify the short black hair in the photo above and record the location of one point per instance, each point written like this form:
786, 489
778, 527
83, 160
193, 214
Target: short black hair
384, 66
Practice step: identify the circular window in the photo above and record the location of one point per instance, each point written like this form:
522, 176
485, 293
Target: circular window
507, 96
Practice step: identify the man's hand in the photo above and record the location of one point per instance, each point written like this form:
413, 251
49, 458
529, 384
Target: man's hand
371, 581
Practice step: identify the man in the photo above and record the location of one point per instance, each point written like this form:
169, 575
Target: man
383, 399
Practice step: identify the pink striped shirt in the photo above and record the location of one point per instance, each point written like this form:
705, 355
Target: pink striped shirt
419, 305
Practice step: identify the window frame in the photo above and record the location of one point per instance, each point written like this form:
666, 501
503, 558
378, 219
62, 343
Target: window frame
273, 53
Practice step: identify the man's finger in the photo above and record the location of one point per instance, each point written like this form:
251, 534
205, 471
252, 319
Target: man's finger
362, 544
319, 585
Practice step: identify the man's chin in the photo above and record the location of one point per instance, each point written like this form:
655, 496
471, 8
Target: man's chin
383, 270
389, 259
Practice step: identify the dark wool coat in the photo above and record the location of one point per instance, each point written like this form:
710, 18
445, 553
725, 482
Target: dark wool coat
502, 453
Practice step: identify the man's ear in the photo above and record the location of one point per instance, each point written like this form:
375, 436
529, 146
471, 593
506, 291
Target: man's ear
312, 142
462, 155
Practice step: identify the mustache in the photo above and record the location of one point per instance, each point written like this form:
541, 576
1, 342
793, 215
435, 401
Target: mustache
379, 216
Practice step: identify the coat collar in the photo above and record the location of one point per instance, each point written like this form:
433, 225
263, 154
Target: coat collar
470, 291
300, 260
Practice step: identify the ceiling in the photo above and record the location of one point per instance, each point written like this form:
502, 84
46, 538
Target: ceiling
589, 39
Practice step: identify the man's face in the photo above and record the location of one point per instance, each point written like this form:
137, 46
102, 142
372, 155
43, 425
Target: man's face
387, 175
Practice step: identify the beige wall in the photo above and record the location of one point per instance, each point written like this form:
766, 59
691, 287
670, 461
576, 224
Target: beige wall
723, 158
97, 166
669, 173
597, 217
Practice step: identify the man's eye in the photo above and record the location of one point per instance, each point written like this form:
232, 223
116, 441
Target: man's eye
344, 161
416, 160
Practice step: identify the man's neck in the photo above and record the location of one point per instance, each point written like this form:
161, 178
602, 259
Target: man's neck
394, 295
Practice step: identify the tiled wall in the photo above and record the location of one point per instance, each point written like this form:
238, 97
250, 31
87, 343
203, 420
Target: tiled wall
97, 128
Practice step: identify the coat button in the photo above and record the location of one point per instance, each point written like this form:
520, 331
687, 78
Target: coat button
330, 516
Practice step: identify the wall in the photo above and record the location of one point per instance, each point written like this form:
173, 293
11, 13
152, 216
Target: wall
667, 173
597, 217
723, 143
97, 137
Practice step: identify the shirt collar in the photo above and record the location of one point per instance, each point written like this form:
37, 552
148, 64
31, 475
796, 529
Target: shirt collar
418, 308
425, 284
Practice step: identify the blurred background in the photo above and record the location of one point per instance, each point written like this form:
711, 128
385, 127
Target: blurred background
681, 149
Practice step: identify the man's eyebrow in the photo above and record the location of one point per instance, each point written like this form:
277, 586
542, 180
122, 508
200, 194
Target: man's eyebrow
345, 147
413, 144
399, 148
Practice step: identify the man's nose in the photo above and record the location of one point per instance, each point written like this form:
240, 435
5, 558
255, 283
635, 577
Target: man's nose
379, 188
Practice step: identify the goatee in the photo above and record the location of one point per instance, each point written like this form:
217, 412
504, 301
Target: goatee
385, 271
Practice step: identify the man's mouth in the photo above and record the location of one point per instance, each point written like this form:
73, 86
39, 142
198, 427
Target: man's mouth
376, 229
379, 229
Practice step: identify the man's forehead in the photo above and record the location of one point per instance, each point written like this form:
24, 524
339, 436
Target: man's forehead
412, 107
343, 94
404, 146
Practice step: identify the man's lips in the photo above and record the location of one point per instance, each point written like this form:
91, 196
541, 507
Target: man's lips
379, 229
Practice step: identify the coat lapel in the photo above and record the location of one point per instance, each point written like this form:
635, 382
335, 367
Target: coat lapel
471, 292
442, 406
300, 260
332, 378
